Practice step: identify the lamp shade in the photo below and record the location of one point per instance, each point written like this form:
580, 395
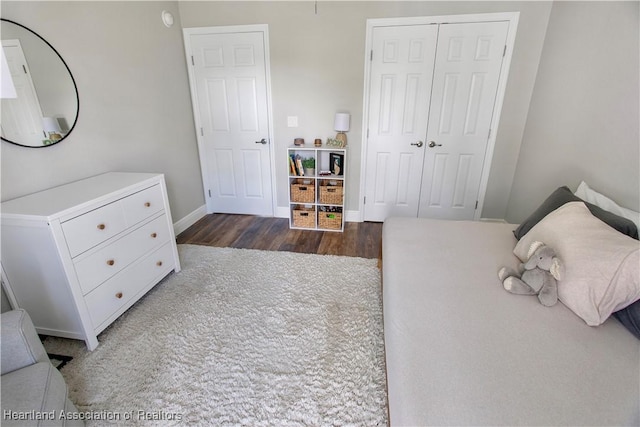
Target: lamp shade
341, 123
50, 124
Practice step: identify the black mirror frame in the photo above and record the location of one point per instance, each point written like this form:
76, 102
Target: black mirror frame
73, 80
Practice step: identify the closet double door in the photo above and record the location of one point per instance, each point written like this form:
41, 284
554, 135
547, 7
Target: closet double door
432, 97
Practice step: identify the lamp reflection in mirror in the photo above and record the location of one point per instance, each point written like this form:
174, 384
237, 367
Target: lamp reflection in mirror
52, 128
44, 87
341, 125
7, 90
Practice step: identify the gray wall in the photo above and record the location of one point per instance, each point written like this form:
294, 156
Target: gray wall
317, 67
135, 110
4, 302
583, 121
135, 107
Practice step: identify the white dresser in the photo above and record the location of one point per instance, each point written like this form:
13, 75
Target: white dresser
78, 256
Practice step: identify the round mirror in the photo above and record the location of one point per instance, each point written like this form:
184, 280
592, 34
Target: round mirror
39, 96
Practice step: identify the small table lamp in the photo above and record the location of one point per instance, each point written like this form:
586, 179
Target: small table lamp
52, 128
341, 125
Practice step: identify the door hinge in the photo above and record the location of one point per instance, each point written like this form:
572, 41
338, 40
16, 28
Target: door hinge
192, 61
371, 56
367, 133
489, 136
209, 193
476, 205
504, 52
24, 69
201, 132
365, 200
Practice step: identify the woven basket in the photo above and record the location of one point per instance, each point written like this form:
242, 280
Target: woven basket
303, 193
303, 217
331, 194
330, 220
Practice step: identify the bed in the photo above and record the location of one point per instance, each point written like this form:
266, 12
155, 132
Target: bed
460, 350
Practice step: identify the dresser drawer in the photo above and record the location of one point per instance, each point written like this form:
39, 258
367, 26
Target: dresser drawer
109, 260
115, 293
93, 228
142, 205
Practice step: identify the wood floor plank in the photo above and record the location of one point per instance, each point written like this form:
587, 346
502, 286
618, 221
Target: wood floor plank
331, 244
369, 239
248, 237
276, 234
252, 232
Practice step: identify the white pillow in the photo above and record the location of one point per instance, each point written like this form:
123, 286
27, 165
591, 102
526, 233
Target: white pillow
589, 195
601, 265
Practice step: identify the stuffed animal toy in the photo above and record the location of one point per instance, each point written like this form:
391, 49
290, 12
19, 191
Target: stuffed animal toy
539, 275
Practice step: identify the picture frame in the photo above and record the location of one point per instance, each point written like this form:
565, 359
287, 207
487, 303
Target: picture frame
336, 164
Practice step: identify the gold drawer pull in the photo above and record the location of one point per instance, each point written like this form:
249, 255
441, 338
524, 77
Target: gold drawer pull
154, 235
159, 263
111, 262
147, 204
101, 226
119, 295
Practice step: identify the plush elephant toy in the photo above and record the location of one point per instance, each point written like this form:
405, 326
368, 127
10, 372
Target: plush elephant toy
539, 275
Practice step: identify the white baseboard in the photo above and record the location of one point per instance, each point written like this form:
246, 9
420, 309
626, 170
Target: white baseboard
189, 220
352, 216
282, 212
493, 220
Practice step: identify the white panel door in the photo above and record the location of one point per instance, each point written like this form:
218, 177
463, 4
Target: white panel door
400, 89
232, 104
21, 116
467, 71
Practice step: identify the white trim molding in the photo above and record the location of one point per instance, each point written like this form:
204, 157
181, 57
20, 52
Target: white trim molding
189, 220
511, 17
255, 28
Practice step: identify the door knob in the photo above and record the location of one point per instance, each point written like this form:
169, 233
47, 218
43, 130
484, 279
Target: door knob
433, 144
418, 144
262, 141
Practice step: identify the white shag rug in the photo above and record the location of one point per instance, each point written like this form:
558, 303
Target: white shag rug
241, 337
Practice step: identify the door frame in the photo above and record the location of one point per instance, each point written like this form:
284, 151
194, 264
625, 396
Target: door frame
511, 17
34, 107
233, 29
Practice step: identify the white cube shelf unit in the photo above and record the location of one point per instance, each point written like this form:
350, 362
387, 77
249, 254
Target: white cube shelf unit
316, 198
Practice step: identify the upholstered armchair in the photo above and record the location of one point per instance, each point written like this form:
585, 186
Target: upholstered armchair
33, 390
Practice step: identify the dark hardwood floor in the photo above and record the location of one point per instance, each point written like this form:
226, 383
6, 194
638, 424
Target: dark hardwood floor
361, 239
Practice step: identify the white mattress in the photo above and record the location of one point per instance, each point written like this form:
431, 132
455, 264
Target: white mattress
461, 350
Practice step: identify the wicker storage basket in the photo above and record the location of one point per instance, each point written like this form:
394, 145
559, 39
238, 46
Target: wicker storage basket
331, 194
303, 193
330, 220
304, 217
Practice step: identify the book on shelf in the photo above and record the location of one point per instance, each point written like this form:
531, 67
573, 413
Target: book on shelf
292, 167
295, 165
299, 165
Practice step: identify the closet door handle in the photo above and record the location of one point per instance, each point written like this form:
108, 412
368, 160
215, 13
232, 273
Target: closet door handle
433, 144
418, 144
